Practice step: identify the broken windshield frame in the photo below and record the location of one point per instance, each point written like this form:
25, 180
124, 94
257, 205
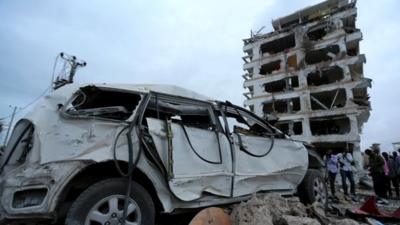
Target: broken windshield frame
117, 108
162, 103
270, 130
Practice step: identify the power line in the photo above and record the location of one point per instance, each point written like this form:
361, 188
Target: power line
70, 61
41, 95
20, 109
37, 98
54, 69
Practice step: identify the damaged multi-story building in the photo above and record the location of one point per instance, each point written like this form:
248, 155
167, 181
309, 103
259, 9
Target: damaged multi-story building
308, 73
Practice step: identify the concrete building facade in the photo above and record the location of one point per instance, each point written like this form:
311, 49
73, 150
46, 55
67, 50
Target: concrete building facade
308, 72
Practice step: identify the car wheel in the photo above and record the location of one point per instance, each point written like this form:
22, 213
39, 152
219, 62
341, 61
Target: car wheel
103, 204
313, 188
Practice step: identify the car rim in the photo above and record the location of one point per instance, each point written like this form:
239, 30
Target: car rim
319, 191
109, 211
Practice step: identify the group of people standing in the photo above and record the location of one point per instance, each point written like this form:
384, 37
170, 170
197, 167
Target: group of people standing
342, 163
383, 168
385, 172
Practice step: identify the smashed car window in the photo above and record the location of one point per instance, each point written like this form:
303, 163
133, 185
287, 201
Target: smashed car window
191, 114
103, 103
19, 145
179, 117
240, 121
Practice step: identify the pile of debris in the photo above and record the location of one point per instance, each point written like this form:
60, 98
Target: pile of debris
273, 209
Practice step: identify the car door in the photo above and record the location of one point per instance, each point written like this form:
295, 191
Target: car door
192, 147
262, 159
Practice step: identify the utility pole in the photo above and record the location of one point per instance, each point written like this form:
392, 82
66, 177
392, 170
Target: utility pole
68, 77
9, 126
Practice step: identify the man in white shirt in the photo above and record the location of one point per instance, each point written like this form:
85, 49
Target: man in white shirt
346, 163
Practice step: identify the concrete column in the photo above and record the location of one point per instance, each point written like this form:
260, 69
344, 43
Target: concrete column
357, 155
349, 96
299, 36
302, 75
306, 127
354, 126
258, 109
342, 47
305, 102
256, 58
358, 159
346, 72
256, 51
291, 132
258, 89
300, 53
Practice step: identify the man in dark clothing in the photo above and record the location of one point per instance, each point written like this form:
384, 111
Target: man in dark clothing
391, 178
395, 167
332, 168
396, 159
377, 173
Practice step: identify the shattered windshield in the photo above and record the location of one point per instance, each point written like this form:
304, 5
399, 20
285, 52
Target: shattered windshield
103, 103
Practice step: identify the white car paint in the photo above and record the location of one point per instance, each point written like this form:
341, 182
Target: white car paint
64, 145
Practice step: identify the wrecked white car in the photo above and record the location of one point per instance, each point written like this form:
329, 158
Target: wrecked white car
108, 154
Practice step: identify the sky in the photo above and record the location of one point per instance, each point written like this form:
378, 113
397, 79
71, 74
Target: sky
193, 44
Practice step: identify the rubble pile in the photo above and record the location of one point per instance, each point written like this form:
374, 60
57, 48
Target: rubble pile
273, 209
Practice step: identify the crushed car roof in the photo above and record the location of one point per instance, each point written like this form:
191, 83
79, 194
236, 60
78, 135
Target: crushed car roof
160, 88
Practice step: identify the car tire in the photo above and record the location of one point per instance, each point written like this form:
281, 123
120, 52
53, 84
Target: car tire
103, 203
313, 188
